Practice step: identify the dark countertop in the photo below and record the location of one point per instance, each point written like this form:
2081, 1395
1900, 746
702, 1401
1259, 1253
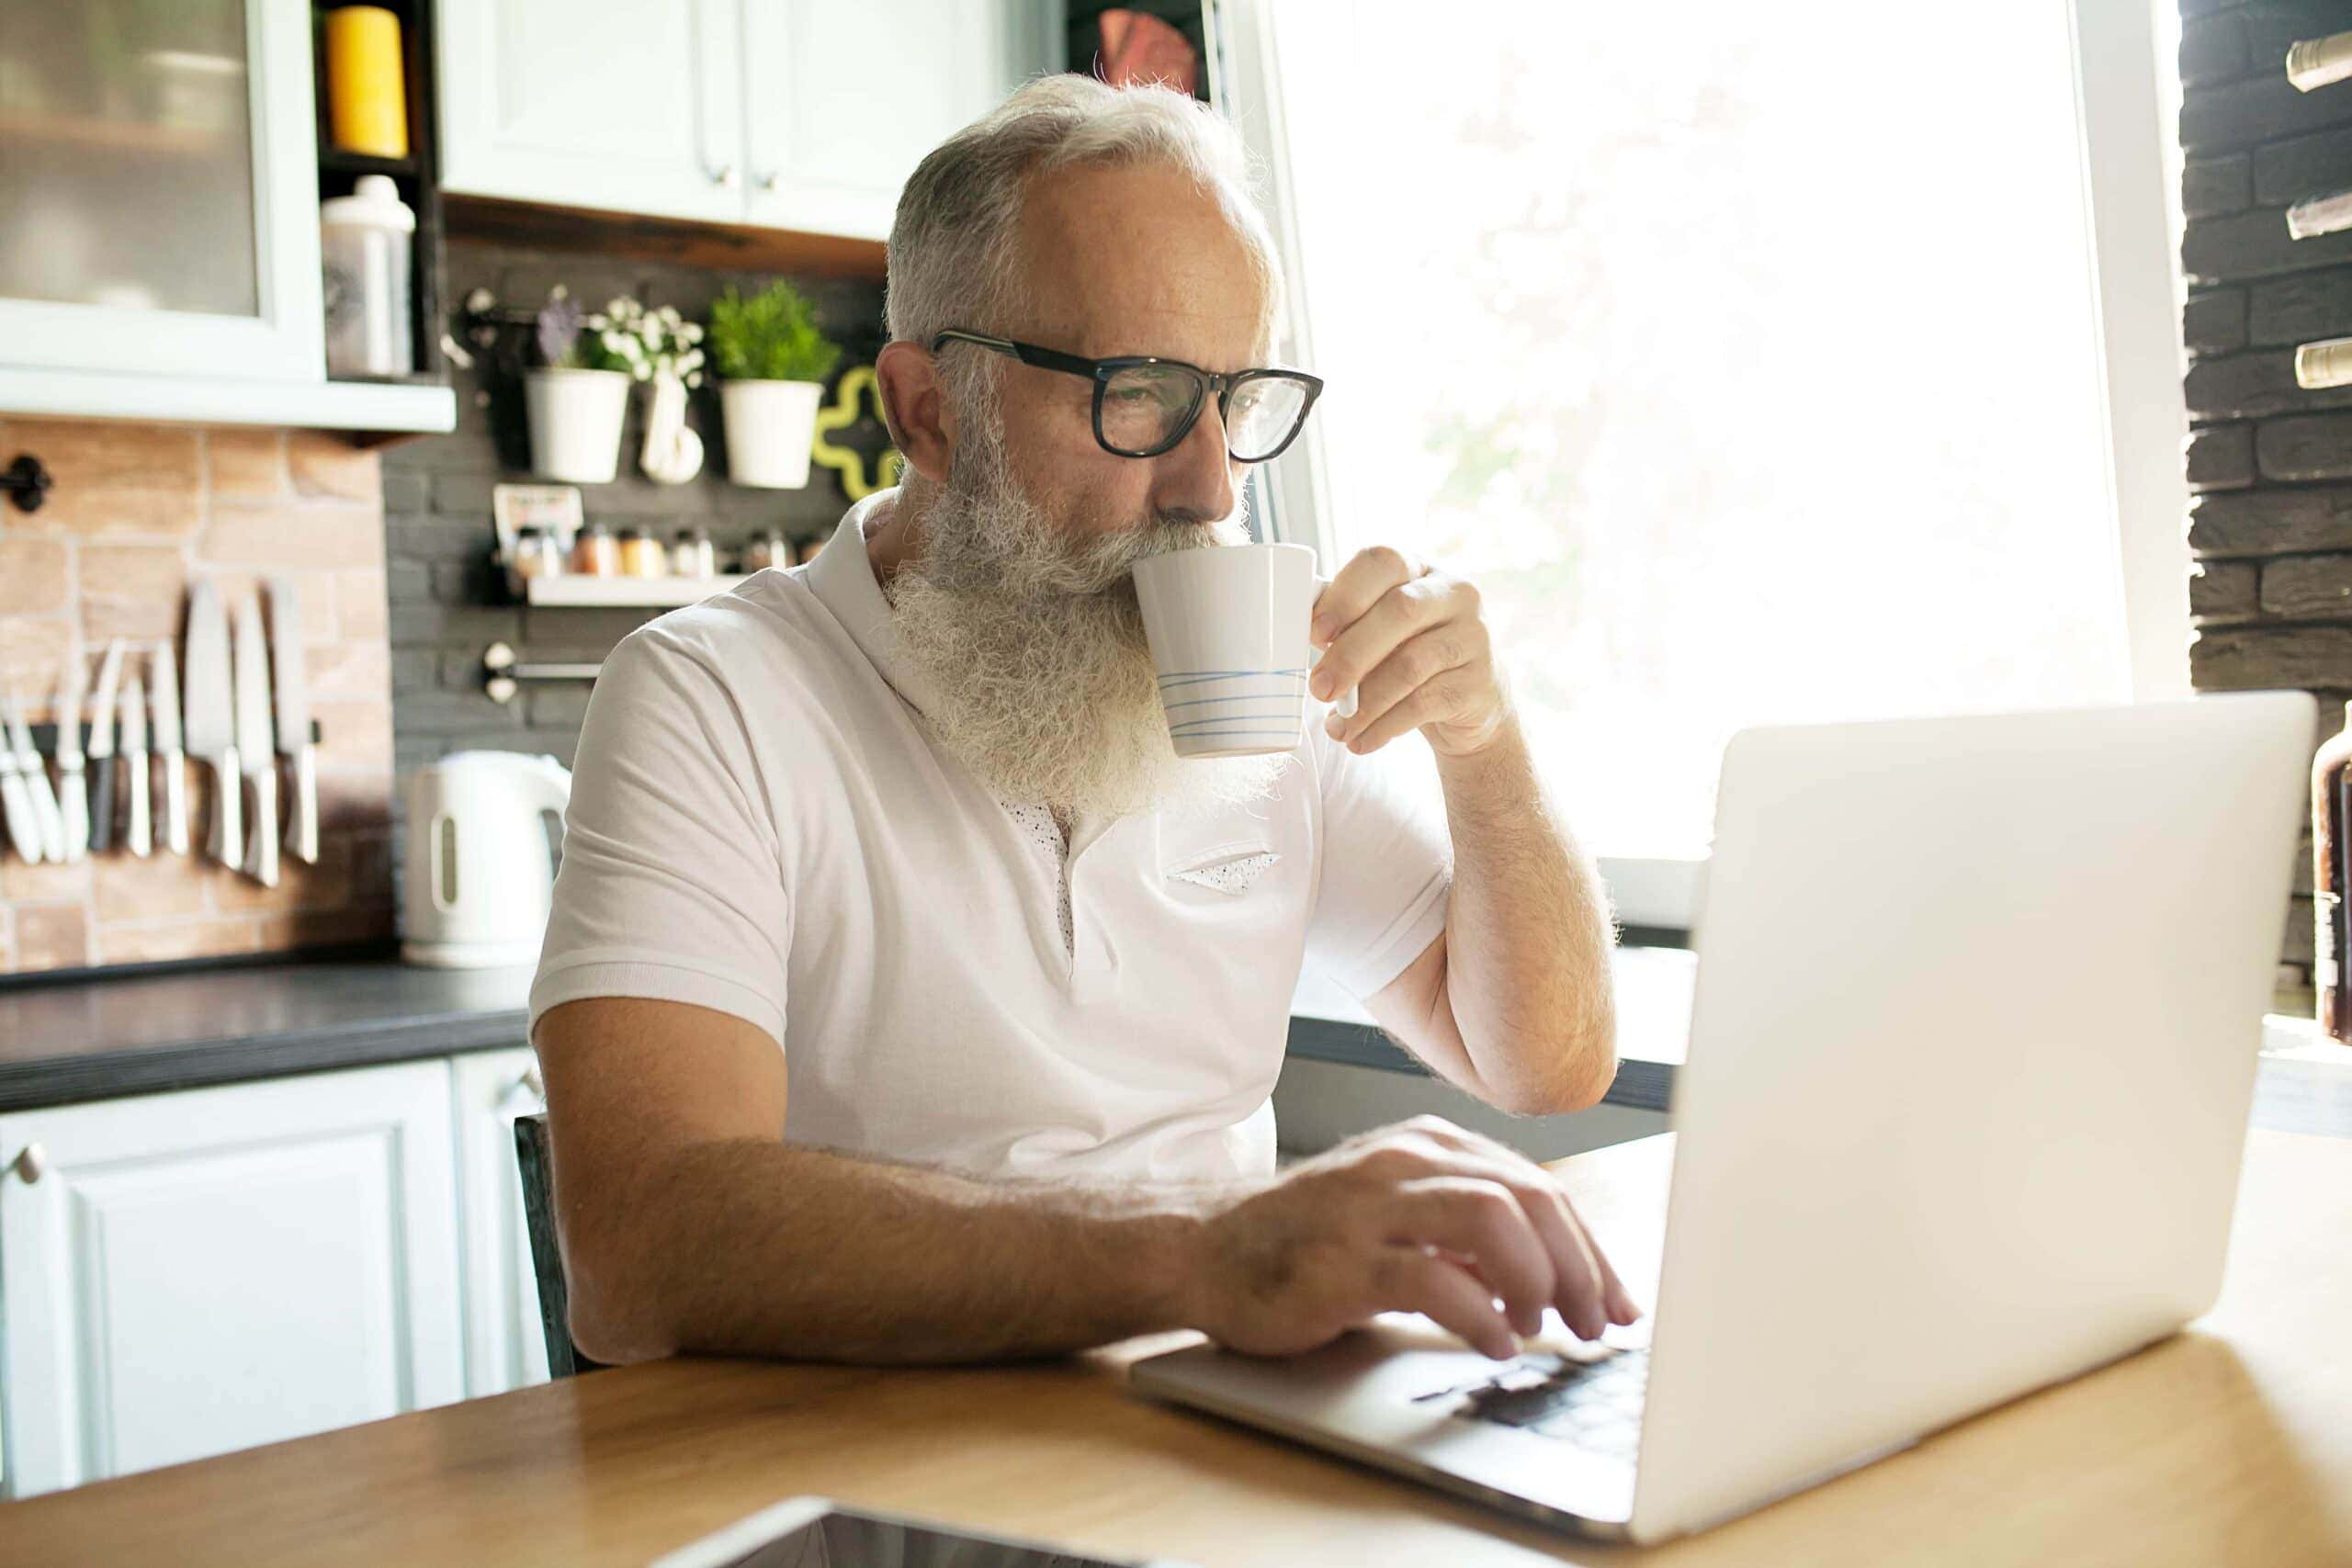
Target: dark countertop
66, 1042
95, 1039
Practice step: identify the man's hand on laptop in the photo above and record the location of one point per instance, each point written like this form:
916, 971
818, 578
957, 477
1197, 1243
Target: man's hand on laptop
1423, 1216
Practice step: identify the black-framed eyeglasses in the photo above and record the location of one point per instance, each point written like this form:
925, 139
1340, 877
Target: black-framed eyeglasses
1145, 405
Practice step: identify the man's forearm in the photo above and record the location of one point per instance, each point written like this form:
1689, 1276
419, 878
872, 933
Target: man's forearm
1528, 934
759, 1248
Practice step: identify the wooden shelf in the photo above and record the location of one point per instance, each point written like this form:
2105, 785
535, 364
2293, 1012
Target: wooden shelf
40, 128
636, 592
335, 161
725, 246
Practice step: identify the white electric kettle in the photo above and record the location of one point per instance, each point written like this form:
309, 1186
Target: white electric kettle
477, 877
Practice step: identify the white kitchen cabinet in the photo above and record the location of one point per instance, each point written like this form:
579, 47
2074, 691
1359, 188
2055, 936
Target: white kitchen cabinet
184, 1274
161, 192
505, 1347
630, 104
788, 114
827, 145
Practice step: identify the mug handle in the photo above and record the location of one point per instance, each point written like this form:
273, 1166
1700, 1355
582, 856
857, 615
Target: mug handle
1345, 704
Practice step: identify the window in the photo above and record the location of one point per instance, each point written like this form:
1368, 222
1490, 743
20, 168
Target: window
1746, 358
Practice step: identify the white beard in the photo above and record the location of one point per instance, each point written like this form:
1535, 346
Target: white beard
1033, 651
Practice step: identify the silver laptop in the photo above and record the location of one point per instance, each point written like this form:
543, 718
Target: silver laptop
1971, 1060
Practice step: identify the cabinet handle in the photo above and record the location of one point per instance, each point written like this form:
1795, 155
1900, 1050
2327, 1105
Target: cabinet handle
32, 1163
772, 183
723, 176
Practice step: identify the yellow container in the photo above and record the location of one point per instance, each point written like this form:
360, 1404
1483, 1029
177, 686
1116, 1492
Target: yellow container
367, 96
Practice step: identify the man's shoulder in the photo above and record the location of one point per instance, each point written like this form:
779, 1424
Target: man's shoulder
767, 631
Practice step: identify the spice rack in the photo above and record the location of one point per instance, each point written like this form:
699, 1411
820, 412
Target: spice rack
645, 593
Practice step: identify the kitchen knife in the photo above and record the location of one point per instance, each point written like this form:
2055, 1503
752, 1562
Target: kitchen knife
210, 732
73, 794
294, 716
134, 758
253, 747
15, 801
166, 697
48, 823
102, 749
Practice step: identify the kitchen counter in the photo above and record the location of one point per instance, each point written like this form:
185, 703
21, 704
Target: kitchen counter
62, 1044
138, 1034
65, 1043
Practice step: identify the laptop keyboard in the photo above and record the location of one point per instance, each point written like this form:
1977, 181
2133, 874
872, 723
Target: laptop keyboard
1595, 1404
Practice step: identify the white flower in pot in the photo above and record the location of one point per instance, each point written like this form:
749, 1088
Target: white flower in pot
772, 364
658, 347
575, 401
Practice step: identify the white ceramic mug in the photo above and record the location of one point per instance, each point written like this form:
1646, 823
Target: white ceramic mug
1228, 625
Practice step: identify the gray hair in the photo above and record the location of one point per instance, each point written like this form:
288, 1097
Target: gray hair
954, 255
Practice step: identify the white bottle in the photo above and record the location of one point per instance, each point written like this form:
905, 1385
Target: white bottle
365, 240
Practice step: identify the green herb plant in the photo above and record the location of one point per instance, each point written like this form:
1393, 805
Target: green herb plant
772, 336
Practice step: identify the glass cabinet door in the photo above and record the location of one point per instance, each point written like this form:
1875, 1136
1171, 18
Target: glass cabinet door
158, 178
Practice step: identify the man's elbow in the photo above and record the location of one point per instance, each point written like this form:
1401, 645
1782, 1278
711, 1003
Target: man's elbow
1585, 1065
612, 1309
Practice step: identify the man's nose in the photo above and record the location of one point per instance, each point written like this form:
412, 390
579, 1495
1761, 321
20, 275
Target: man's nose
1194, 477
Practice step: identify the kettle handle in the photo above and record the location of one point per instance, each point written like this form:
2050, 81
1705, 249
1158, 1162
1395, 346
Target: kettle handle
551, 783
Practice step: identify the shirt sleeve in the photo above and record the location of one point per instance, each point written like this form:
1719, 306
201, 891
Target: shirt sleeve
1386, 863
672, 884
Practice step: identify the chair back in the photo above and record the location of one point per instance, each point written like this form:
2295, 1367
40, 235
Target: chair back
564, 1359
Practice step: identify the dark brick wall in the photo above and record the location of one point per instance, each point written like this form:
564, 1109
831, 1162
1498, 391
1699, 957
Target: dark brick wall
2271, 525
447, 604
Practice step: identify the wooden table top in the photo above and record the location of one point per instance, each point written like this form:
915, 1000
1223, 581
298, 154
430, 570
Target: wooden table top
2231, 1443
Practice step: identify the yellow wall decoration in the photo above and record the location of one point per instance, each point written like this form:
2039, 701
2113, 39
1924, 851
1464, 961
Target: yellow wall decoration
848, 460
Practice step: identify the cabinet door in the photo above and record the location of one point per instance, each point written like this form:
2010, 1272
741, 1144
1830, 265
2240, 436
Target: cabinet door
195, 1272
626, 105
504, 1344
158, 173
841, 102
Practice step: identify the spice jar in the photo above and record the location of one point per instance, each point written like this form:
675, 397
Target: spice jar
769, 549
692, 554
641, 555
538, 554
594, 553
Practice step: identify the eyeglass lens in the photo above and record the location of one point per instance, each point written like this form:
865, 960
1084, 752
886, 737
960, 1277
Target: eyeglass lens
1145, 405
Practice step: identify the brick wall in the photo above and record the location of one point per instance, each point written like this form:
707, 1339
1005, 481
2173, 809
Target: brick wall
448, 605
137, 511
2271, 525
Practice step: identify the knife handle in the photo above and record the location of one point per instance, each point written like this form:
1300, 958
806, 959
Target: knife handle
140, 843
24, 828
261, 851
46, 816
101, 802
74, 804
228, 846
303, 828
175, 803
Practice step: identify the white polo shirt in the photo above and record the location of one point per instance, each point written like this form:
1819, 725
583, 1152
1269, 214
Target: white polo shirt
762, 824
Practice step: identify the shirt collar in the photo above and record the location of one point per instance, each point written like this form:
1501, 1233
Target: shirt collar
842, 579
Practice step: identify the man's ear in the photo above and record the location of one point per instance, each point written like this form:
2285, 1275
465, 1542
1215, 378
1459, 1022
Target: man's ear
914, 406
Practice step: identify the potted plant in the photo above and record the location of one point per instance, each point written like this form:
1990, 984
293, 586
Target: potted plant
772, 364
575, 398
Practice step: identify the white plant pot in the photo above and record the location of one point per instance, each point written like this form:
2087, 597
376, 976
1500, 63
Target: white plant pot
770, 427
575, 419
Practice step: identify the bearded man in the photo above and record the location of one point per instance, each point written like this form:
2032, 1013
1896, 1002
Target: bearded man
908, 999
